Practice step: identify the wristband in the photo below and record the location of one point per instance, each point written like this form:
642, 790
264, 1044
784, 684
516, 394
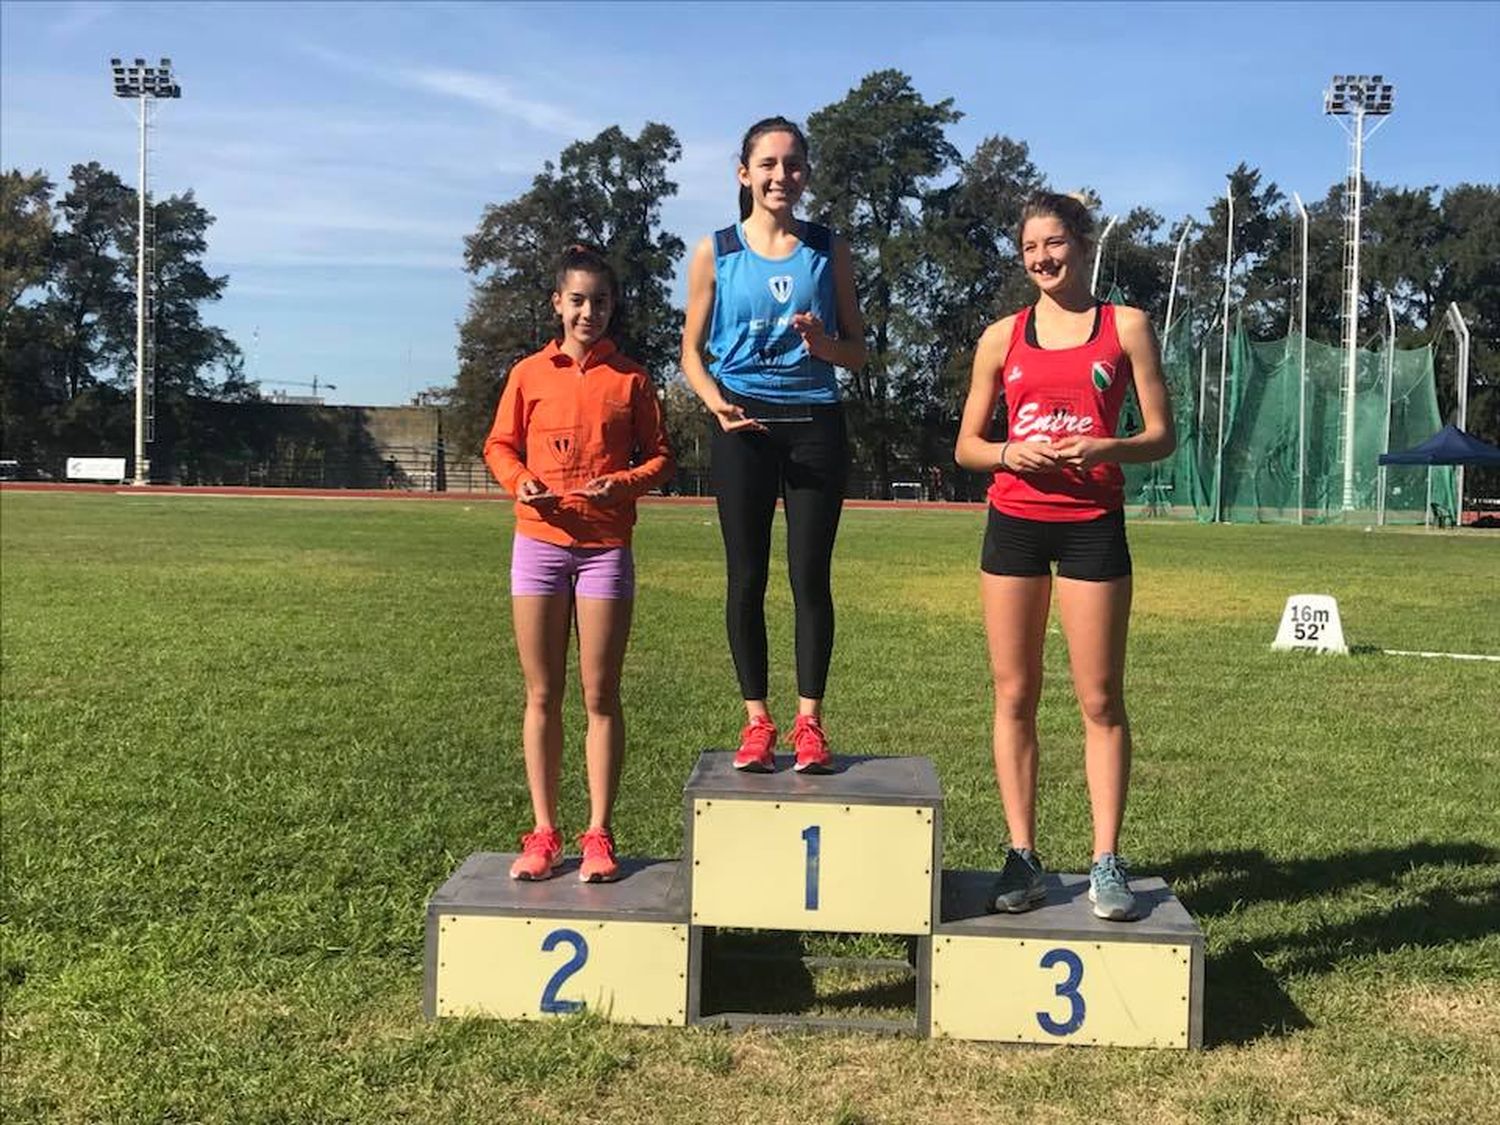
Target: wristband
1003, 448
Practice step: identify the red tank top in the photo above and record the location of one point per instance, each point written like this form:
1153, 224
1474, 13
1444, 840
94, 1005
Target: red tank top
1053, 393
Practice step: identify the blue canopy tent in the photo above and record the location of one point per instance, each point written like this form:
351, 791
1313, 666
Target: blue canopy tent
1449, 446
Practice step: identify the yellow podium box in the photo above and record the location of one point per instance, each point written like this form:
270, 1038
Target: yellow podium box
1059, 975
512, 950
853, 851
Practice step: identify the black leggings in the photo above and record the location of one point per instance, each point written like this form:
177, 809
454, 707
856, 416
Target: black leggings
804, 460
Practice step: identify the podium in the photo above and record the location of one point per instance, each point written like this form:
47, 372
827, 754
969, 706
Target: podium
784, 855
517, 950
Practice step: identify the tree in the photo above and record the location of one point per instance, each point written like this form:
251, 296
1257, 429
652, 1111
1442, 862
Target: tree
960, 272
70, 353
26, 230
26, 238
606, 191
875, 155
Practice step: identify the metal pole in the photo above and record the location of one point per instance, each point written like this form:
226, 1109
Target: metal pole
1099, 252
142, 474
1351, 312
1302, 376
1176, 268
1202, 395
1461, 330
1224, 354
1390, 377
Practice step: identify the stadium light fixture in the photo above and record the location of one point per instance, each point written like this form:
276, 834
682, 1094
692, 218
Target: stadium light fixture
144, 85
1356, 96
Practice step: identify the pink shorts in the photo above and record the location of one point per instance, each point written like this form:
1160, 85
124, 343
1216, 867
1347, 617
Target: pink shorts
538, 568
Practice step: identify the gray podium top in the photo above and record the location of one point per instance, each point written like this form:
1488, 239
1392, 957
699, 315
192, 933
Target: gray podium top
1066, 914
858, 779
648, 890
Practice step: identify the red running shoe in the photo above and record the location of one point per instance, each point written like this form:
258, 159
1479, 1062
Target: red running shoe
599, 864
541, 855
757, 746
811, 745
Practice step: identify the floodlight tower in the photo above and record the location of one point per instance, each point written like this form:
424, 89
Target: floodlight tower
1356, 96
145, 84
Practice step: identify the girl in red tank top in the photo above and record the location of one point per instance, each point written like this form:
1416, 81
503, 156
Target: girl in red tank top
1052, 394
1057, 496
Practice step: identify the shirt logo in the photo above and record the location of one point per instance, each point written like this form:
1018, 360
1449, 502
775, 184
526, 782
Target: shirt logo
1033, 425
781, 287
1102, 374
562, 447
1014, 376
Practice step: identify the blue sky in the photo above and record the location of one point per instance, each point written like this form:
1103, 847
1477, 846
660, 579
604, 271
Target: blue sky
346, 149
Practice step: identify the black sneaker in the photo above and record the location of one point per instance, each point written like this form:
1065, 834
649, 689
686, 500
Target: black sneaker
1020, 886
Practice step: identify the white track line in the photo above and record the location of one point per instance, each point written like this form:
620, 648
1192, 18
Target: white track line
1449, 655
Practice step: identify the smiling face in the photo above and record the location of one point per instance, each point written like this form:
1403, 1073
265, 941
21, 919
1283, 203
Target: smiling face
584, 303
776, 172
1052, 258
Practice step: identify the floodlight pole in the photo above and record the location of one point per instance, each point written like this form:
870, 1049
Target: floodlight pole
1354, 95
1351, 307
1099, 252
144, 85
1224, 352
1302, 375
142, 468
1390, 378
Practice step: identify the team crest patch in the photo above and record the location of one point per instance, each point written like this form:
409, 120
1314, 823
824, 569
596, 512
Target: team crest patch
781, 287
1102, 374
562, 447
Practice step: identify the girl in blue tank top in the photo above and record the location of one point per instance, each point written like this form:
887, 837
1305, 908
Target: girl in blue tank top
771, 315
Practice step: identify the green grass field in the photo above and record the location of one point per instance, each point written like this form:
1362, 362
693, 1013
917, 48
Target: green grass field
244, 739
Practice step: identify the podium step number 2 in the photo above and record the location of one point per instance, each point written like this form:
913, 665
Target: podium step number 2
522, 951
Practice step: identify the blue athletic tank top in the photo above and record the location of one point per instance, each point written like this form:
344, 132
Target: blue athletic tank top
756, 351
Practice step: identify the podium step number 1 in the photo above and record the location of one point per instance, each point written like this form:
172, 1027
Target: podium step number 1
853, 852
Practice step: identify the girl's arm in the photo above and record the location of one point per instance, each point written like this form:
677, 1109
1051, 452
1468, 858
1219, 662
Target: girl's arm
507, 437
974, 450
700, 307
847, 349
657, 463
1158, 435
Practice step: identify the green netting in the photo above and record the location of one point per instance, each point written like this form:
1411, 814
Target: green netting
1264, 472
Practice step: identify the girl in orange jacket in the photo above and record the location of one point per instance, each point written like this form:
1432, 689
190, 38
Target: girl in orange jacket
570, 420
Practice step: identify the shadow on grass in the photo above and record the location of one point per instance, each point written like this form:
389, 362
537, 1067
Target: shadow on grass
1246, 997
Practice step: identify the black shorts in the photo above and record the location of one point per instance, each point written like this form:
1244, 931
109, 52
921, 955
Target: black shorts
1091, 550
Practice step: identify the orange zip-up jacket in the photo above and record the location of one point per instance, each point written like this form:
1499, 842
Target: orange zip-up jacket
563, 423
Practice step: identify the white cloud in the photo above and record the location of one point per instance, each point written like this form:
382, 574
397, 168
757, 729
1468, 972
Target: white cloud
495, 95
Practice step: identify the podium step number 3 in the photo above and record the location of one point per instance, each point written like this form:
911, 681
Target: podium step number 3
1059, 975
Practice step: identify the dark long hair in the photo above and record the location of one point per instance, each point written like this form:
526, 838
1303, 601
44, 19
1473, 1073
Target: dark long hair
753, 134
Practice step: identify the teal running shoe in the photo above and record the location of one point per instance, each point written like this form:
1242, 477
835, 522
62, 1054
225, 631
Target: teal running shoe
1020, 886
1109, 890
